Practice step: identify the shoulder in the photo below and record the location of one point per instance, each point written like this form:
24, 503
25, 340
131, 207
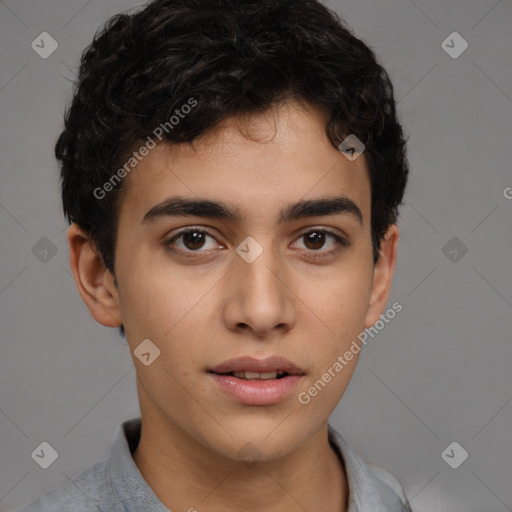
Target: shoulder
388, 489
102, 486
370, 487
90, 491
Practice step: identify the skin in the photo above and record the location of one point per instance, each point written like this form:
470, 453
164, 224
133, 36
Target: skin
205, 309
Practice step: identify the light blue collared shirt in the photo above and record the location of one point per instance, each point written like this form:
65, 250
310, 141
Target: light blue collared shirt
115, 483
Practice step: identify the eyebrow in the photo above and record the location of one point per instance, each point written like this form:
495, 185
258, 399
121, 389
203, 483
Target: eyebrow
177, 206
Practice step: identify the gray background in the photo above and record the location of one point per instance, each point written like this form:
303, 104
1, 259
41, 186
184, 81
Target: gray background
439, 372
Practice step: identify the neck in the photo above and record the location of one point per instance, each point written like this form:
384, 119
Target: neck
187, 475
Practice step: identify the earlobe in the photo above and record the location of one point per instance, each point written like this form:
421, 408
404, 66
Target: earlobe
94, 281
383, 275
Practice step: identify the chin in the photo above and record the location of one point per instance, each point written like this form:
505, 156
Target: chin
253, 440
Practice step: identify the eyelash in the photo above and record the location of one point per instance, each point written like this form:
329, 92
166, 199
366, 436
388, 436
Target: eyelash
341, 242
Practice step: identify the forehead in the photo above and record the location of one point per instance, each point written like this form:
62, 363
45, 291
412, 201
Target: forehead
257, 164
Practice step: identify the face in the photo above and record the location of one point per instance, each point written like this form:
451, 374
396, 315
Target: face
256, 279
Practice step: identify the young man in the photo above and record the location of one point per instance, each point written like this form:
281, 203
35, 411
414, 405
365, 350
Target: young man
232, 171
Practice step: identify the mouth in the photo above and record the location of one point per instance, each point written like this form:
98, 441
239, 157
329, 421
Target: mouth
250, 368
257, 382
246, 375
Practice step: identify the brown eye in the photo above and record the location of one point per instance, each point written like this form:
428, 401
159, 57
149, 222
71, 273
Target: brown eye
192, 240
315, 240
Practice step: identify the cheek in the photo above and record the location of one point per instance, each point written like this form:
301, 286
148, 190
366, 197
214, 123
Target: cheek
169, 309
342, 298
154, 299
340, 304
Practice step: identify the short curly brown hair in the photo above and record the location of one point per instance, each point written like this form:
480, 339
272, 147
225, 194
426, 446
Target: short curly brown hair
233, 57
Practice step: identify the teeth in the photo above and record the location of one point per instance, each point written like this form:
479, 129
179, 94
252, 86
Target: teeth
255, 375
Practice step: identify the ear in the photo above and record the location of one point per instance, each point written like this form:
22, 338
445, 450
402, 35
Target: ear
94, 281
383, 275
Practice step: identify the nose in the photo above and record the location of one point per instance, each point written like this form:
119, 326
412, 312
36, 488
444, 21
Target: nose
260, 296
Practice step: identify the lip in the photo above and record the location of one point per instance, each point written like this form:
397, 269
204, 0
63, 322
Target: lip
250, 364
257, 391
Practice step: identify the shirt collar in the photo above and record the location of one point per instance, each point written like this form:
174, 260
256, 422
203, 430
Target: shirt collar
363, 496
133, 491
